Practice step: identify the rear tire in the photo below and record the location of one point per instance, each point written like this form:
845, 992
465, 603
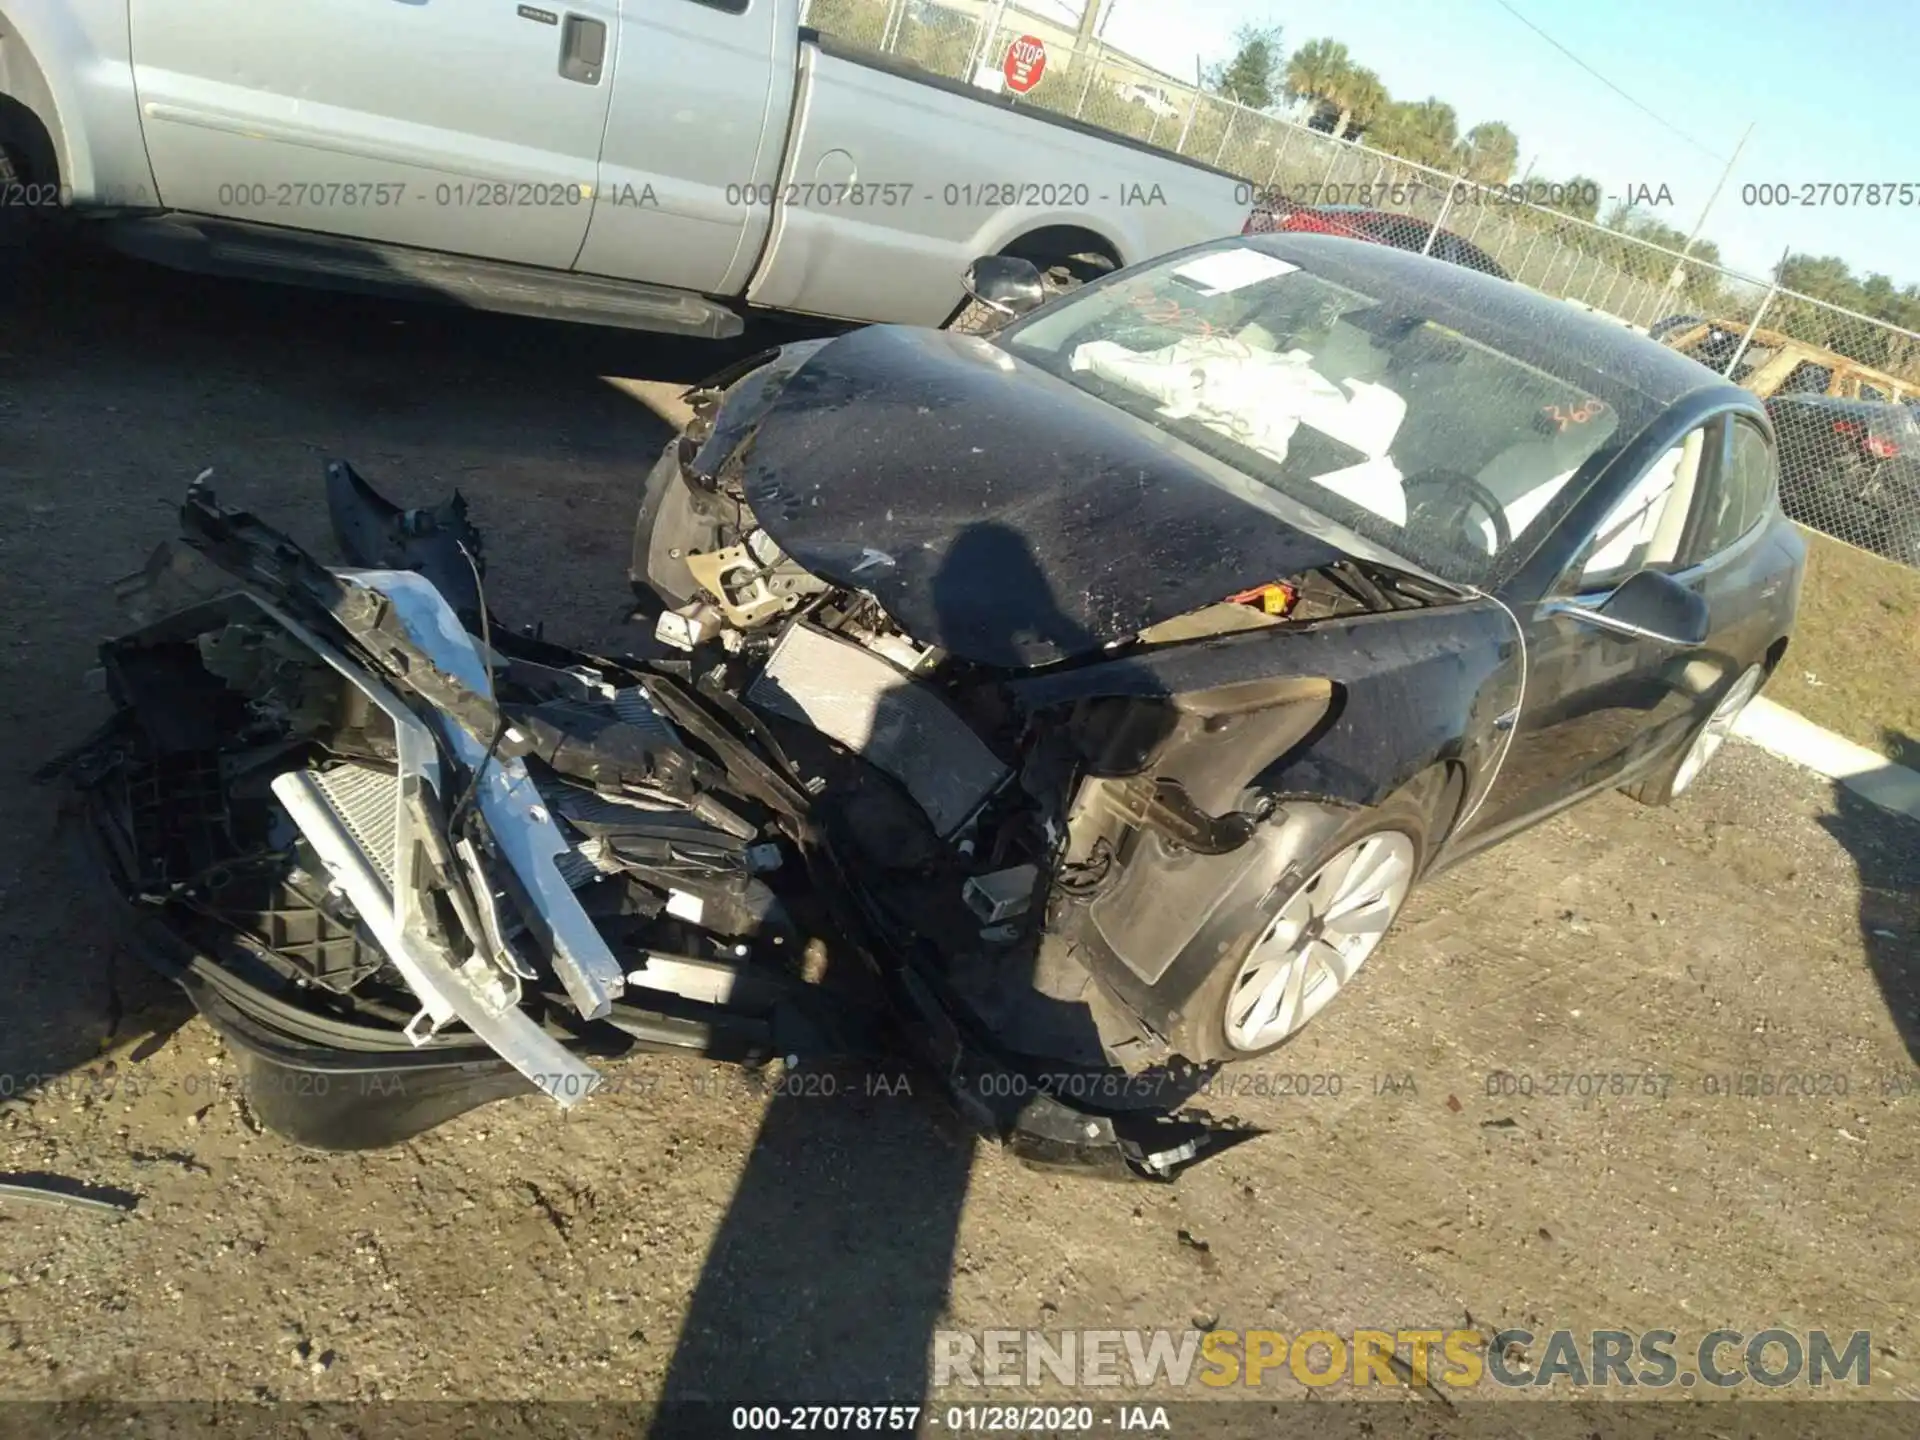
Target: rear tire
1673, 778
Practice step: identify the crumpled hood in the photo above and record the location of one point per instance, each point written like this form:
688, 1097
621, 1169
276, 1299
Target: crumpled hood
998, 512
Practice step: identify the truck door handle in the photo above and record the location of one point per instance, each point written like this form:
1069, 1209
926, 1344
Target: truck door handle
583, 49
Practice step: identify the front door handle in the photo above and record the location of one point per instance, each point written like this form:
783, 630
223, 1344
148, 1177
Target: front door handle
583, 49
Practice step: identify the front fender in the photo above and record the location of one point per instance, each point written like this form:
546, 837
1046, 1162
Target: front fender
1411, 690
1378, 702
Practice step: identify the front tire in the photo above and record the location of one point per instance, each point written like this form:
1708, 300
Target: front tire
1307, 938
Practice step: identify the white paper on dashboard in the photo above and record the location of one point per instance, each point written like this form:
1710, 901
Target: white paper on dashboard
1369, 421
1372, 485
1228, 270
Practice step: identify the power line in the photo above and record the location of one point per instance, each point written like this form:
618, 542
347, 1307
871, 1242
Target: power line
1645, 110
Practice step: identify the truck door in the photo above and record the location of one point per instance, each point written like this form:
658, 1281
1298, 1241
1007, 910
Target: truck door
468, 126
702, 96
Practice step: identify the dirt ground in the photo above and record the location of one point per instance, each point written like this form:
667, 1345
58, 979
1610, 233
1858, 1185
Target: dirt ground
685, 1235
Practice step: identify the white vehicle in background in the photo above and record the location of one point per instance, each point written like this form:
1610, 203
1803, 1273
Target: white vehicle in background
1153, 97
656, 164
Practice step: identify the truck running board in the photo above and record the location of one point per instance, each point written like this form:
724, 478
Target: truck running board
269, 252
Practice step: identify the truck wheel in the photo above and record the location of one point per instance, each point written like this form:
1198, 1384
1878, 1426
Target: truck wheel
21, 222
1308, 936
976, 318
12, 217
1059, 276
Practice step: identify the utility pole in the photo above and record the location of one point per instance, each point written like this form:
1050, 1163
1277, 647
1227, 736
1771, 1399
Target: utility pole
1180, 147
1099, 32
1679, 275
1773, 290
1085, 35
989, 27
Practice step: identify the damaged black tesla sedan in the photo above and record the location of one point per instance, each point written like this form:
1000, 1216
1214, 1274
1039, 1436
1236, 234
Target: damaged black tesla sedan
1102, 687
1210, 606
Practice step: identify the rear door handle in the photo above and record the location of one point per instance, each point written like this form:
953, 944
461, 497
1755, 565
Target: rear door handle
583, 49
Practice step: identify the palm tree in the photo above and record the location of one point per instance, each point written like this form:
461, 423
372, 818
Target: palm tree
1360, 96
1317, 70
1425, 131
1581, 196
1492, 150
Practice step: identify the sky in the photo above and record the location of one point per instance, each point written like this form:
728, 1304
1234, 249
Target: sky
1829, 89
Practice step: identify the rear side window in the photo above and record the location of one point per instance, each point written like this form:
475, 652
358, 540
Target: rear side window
1740, 491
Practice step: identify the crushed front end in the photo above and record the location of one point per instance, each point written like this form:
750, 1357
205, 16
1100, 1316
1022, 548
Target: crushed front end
408, 859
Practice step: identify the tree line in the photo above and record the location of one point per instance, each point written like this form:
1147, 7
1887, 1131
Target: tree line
1352, 101
1349, 102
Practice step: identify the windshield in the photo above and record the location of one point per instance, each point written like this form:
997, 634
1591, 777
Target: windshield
1434, 446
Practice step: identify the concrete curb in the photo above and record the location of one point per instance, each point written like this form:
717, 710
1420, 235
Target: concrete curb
1791, 736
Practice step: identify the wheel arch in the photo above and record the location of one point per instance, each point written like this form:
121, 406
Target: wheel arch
29, 115
1155, 937
1060, 243
1087, 254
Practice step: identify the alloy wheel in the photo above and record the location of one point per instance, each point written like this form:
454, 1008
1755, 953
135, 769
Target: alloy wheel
1319, 939
1719, 725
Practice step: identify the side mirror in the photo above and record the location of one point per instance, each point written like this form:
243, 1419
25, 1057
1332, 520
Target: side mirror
1007, 284
1650, 605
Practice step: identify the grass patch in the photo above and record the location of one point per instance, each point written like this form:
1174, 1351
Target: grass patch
1853, 664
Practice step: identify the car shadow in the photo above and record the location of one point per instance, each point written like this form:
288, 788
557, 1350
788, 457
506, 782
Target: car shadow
834, 1261
832, 1268
1885, 849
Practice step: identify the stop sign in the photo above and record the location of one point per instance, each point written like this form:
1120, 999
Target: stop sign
1026, 63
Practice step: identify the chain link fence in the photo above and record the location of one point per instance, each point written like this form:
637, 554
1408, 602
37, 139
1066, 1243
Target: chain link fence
1848, 430
1843, 388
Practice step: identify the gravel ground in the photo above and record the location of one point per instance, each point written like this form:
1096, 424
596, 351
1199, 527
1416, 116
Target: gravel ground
687, 1235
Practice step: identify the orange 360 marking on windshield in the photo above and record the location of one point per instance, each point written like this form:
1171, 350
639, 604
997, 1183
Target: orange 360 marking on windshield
1577, 415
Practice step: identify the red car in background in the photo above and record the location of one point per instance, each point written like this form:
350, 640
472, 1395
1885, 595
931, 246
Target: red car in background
1382, 227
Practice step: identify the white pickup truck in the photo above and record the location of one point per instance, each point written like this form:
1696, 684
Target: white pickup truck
656, 164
